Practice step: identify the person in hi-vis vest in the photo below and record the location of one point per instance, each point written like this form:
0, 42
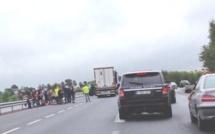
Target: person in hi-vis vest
86, 92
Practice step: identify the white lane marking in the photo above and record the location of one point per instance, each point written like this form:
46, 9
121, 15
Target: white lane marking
61, 111
115, 132
69, 108
49, 115
81, 103
118, 120
34, 122
11, 130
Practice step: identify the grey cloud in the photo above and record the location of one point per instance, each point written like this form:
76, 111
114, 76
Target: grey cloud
37, 58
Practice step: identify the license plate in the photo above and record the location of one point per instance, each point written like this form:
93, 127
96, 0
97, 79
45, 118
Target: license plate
105, 92
143, 92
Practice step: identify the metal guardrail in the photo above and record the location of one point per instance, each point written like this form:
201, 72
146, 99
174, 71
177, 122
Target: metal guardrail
24, 102
12, 104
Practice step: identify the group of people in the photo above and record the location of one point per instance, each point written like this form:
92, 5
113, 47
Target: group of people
59, 95
41, 97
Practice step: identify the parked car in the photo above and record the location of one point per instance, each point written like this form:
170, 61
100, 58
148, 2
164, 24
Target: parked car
183, 83
174, 85
188, 88
171, 91
143, 92
202, 104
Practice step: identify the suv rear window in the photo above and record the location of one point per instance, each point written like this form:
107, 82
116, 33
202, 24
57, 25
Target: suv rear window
140, 80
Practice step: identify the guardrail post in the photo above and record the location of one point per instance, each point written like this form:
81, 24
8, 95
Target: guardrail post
12, 108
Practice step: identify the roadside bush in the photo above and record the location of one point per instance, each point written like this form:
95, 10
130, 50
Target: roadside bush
13, 98
78, 89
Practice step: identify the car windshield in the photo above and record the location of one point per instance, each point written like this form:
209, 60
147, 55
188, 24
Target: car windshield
147, 79
209, 82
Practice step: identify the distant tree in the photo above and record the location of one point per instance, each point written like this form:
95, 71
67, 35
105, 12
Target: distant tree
68, 82
28, 90
176, 76
78, 89
207, 55
13, 98
6, 95
92, 88
74, 83
14, 87
55, 85
49, 86
9, 90
81, 84
62, 84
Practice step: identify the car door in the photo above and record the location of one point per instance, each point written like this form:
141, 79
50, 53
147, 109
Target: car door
195, 97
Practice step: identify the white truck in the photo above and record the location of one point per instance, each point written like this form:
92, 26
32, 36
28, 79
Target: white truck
106, 80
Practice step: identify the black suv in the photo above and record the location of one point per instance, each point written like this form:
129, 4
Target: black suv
144, 91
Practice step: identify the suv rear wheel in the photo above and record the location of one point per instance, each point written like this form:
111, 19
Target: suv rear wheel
174, 100
168, 112
122, 114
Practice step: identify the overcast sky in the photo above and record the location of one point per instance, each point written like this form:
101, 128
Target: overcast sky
48, 41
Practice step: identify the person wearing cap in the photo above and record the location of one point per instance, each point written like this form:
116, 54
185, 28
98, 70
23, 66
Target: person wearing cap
86, 92
193, 91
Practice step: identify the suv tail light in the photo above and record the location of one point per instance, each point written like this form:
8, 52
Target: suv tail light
121, 93
207, 98
141, 73
165, 90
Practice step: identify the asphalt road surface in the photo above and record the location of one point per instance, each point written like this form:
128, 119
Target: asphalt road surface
100, 116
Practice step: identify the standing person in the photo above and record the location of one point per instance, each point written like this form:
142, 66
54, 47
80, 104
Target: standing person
28, 100
65, 90
53, 98
60, 96
49, 93
56, 94
69, 94
73, 94
86, 92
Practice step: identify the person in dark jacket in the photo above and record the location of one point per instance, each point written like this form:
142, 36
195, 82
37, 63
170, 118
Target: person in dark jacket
60, 96
73, 94
66, 94
65, 90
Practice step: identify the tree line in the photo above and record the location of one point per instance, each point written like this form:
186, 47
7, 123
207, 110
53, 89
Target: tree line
176, 76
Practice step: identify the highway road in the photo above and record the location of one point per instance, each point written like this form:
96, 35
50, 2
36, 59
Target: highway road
100, 116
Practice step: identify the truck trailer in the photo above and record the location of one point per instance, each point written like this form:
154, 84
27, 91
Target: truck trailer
106, 81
